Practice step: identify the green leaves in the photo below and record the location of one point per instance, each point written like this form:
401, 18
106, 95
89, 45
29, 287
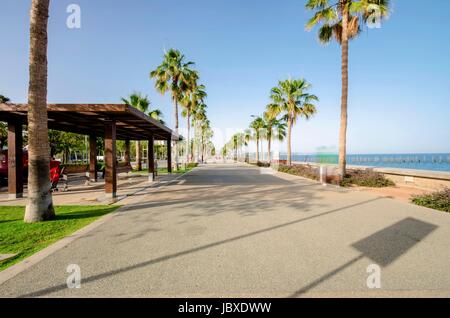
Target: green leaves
142, 103
323, 16
173, 73
4, 99
291, 98
325, 33
329, 17
316, 4
138, 101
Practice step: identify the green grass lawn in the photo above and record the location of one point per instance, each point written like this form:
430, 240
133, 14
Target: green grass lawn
26, 239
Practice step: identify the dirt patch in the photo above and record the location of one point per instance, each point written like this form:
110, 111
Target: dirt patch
401, 193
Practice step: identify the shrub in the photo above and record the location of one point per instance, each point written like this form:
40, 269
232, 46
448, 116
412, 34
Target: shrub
438, 200
306, 171
260, 164
191, 165
366, 178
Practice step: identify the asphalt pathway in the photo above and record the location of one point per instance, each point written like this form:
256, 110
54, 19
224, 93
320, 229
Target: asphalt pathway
241, 231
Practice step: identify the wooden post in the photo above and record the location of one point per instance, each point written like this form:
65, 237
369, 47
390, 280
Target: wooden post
93, 158
169, 155
15, 160
151, 159
110, 159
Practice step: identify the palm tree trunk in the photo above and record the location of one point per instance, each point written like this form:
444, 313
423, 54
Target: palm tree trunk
202, 147
40, 203
196, 148
257, 148
269, 142
289, 161
175, 148
188, 151
344, 97
138, 155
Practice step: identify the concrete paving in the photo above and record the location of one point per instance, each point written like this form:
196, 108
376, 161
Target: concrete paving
228, 230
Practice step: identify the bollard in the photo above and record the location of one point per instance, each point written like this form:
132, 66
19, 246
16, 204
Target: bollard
323, 175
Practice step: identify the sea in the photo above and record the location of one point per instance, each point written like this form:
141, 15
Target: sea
416, 161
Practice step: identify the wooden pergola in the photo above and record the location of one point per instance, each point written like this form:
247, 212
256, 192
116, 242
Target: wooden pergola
110, 121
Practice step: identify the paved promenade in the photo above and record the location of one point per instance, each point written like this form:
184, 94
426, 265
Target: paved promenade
236, 230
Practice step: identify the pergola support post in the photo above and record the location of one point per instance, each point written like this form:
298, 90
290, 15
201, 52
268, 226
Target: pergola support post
169, 155
151, 159
110, 159
93, 158
15, 160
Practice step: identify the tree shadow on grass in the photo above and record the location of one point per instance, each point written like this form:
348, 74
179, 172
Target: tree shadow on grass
84, 214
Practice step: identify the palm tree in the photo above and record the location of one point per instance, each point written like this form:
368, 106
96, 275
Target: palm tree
206, 133
343, 21
141, 103
274, 128
40, 203
257, 125
198, 117
173, 74
290, 97
157, 115
4, 99
247, 137
190, 102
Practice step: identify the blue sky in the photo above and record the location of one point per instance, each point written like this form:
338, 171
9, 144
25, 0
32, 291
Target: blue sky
399, 75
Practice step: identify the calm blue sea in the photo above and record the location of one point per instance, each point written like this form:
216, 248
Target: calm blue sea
429, 161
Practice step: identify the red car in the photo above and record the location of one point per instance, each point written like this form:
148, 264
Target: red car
55, 168
4, 164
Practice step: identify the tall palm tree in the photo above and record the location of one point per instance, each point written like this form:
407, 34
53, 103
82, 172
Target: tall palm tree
247, 137
157, 115
40, 203
343, 21
193, 97
173, 75
206, 133
198, 117
291, 99
4, 99
274, 128
142, 103
257, 125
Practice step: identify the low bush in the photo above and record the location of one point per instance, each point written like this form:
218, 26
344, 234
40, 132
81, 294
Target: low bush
260, 164
191, 165
366, 178
438, 200
306, 171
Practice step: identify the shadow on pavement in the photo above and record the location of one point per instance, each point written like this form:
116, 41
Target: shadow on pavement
382, 247
49, 290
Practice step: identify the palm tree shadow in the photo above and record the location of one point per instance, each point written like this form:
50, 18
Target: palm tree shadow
382, 247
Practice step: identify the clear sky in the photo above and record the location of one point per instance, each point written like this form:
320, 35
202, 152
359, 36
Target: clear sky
399, 98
